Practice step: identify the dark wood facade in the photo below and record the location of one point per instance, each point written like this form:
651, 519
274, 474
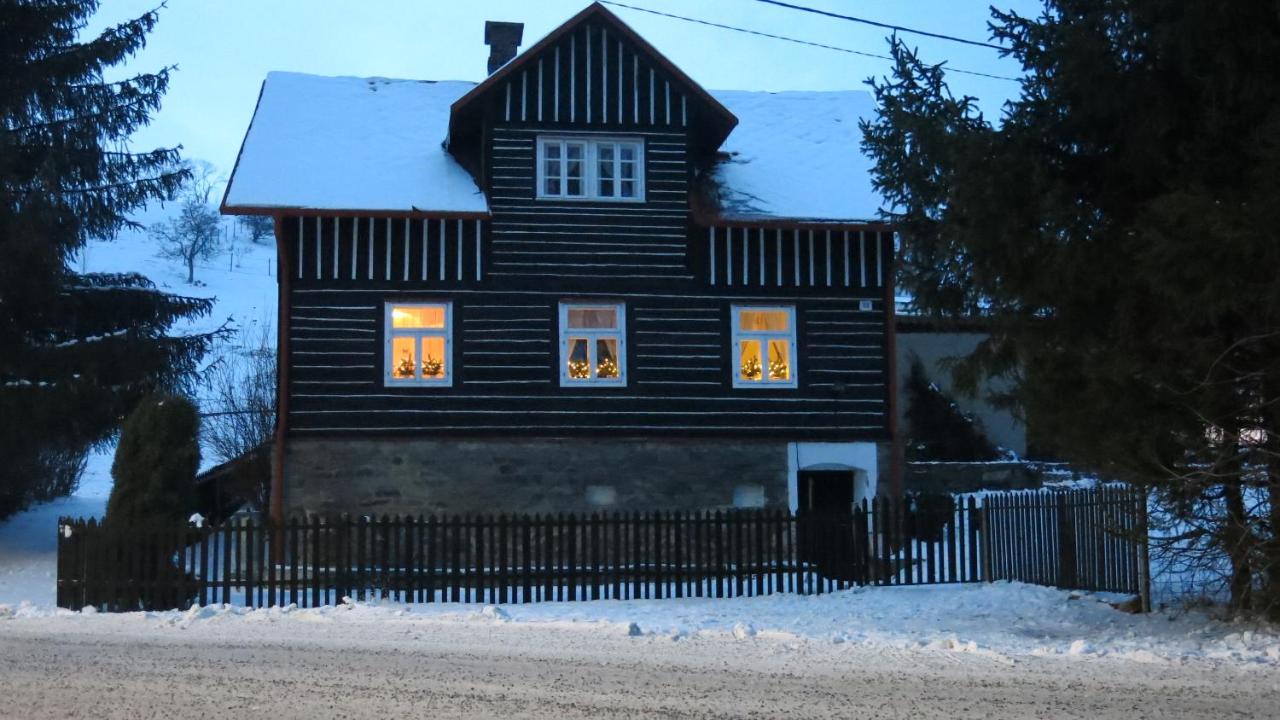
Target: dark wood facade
506, 275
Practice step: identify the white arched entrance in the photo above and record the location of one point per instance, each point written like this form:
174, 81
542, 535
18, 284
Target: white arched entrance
860, 458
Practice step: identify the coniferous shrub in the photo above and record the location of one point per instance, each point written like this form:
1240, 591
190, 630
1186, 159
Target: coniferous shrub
936, 427
156, 463
931, 513
154, 489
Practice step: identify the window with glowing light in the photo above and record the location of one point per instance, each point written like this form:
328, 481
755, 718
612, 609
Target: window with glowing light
418, 349
593, 344
764, 347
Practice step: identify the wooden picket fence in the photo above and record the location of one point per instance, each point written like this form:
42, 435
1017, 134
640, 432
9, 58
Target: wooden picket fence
1085, 540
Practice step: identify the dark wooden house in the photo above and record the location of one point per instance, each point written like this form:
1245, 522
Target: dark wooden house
585, 283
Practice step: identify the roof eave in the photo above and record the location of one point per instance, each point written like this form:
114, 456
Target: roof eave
299, 211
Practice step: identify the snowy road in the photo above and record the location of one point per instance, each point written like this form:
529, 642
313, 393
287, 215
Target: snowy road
103, 670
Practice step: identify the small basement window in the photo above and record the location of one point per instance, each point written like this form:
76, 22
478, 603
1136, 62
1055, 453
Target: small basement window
748, 496
418, 344
591, 169
593, 344
764, 347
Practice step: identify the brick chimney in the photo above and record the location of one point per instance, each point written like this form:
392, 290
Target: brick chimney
502, 38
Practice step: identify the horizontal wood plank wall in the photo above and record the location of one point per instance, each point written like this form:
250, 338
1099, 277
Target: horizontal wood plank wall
506, 373
594, 83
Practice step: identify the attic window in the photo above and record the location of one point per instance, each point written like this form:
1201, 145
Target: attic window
591, 169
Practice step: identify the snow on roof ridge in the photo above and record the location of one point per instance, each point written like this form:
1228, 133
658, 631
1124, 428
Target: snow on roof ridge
379, 78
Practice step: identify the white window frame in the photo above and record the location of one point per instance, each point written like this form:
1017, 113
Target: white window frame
619, 333
737, 334
390, 333
590, 170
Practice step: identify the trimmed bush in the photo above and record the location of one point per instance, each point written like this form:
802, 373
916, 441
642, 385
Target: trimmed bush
156, 463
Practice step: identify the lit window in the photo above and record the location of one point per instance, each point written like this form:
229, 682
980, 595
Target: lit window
592, 344
764, 347
591, 169
418, 344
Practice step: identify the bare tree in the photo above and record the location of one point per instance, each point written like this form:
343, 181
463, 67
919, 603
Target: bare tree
194, 233
258, 226
242, 415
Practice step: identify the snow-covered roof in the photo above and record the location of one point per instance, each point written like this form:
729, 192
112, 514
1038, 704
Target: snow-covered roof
375, 145
345, 143
796, 155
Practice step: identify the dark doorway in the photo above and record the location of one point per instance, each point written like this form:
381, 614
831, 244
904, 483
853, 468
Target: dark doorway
825, 491
826, 522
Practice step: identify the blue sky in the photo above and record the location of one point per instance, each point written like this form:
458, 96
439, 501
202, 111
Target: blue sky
225, 48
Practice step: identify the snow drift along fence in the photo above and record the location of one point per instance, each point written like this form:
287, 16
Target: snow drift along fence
1071, 540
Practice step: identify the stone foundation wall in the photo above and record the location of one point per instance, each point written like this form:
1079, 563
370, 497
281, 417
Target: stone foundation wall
418, 476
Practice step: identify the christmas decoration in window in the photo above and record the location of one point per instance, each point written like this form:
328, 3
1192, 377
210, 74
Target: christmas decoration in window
592, 344
418, 343
764, 341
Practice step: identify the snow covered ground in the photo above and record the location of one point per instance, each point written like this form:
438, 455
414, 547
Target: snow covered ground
1003, 620
1001, 651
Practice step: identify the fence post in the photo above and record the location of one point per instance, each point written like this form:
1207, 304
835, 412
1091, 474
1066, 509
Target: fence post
984, 536
64, 578
1066, 543
1144, 561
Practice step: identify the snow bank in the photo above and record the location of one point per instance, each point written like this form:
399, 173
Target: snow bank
1001, 620
28, 541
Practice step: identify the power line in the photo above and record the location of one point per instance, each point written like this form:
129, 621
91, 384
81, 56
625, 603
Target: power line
790, 39
887, 26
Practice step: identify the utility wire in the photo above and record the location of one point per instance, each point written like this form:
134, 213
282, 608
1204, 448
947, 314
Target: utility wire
887, 26
790, 39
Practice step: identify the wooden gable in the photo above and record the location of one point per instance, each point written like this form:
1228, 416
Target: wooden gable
593, 72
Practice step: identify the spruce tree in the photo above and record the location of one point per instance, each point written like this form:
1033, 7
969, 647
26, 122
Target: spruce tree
1117, 229
936, 427
77, 351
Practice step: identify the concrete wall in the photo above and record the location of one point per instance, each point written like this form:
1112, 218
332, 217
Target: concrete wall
410, 475
933, 348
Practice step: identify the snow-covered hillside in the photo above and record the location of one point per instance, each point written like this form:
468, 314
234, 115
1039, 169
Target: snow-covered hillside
243, 283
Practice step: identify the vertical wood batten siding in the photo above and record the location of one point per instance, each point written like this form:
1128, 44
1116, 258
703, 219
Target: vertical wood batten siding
793, 259
609, 84
444, 253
